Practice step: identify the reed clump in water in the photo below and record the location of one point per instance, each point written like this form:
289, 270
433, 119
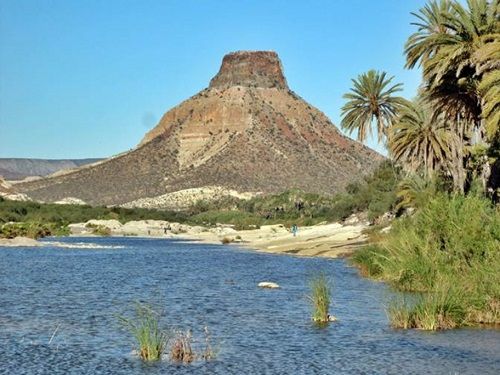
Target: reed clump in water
320, 298
154, 341
209, 352
181, 349
441, 309
151, 339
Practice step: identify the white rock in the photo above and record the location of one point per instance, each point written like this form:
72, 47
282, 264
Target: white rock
331, 318
71, 200
79, 228
351, 220
223, 231
16, 197
268, 285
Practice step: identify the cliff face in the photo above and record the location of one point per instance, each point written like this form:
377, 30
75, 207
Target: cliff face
247, 131
250, 69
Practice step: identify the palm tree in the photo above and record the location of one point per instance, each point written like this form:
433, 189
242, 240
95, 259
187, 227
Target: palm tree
457, 48
421, 141
371, 100
448, 45
488, 59
432, 32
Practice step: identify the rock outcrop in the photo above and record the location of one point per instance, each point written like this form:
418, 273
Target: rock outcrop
250, 69
246, 132
8, 192
184, 199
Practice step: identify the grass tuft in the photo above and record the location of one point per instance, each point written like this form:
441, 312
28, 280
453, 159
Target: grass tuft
443, 309
145, 327
320, 298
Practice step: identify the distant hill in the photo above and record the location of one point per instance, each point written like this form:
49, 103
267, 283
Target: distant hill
247, 132
19, 168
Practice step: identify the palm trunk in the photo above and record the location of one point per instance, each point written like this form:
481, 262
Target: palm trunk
458, 172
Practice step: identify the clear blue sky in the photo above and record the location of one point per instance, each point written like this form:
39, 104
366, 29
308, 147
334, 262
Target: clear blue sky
89, 78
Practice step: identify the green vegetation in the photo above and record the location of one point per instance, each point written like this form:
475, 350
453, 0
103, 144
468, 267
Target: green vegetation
320, 298
446, 140
14, 211
151, 339
99, 230
375, 194
441, 309
37, 220
449, 251
32, 230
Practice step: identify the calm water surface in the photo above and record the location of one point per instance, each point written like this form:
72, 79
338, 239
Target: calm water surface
73, 296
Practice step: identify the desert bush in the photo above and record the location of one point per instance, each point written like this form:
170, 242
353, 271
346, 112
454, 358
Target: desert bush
227, 240
99, 230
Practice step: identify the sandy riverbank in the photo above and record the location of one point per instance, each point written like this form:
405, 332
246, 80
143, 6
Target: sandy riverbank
325, 240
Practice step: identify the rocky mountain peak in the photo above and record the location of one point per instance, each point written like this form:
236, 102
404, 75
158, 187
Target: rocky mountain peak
247, 132
251, 69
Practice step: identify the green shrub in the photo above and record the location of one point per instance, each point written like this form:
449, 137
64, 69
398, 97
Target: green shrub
99, 230
32, 230
65, 214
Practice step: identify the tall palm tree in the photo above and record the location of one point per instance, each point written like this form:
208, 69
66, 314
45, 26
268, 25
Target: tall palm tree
422, 141
371, 101
447, 45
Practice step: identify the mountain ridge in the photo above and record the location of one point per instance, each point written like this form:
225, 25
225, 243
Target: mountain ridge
20, 168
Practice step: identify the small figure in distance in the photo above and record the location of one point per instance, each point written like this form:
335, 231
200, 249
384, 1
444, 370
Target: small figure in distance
295, 229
